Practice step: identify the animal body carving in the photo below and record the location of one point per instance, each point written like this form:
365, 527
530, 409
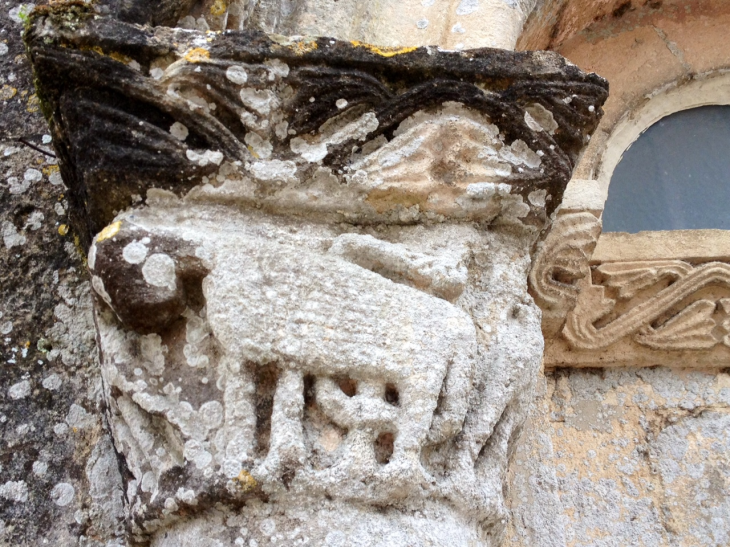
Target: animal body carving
318, 315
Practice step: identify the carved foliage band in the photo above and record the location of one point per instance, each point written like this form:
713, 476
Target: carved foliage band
663, 305
660, 304
318, 106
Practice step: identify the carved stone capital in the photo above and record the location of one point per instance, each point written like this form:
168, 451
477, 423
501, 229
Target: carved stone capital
310, 258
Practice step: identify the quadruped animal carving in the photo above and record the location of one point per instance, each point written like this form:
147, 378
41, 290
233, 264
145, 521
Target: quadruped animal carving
309, 260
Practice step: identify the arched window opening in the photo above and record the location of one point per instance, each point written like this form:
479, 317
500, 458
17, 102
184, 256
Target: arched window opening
675, 176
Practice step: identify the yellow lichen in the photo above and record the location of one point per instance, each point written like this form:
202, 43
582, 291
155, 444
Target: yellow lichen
245, 481
115, 55
7, 93
197, 55
304, 46
50, 169
120, 57
63, 229
218, 8
34, 104
384, 51
80, 249
110, 231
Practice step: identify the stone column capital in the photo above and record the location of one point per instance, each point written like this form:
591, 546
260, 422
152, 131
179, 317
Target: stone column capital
317, 126
310, 258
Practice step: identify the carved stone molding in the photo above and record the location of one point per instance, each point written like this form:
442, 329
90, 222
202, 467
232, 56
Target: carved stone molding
562, 260
320, 126
663, 305
624, 312
309, 260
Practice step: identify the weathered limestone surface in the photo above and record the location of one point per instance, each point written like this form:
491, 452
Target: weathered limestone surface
633, 456
452, 24
59, 483
310, 293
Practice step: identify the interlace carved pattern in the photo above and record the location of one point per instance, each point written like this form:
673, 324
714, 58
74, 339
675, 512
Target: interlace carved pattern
563, 260
663, 305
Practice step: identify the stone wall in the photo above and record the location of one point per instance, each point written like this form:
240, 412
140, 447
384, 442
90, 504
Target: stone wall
634, 456
59, 479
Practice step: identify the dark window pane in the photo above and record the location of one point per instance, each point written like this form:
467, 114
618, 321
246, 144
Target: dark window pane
675, 176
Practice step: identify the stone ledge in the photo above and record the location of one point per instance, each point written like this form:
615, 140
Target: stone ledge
687, 245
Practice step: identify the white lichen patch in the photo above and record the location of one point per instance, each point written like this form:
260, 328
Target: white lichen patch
135, 252
237, 74
78, 418
63, 494
194, 452
35, 221
203, 159
159, 271
260, 101
259, 147
40, 468
20, 390
52, 382
274, 170
17, 187
537, 198
317, 150
310, 152
55, 178
179, 131
11, 236
277, 67
15, 491
487, 190
32, 175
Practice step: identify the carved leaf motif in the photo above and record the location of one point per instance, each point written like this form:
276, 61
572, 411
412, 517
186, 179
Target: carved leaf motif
632, 277
244, 96
581, 332
689, 329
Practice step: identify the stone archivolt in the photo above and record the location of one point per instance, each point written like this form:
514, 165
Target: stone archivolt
659, 304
